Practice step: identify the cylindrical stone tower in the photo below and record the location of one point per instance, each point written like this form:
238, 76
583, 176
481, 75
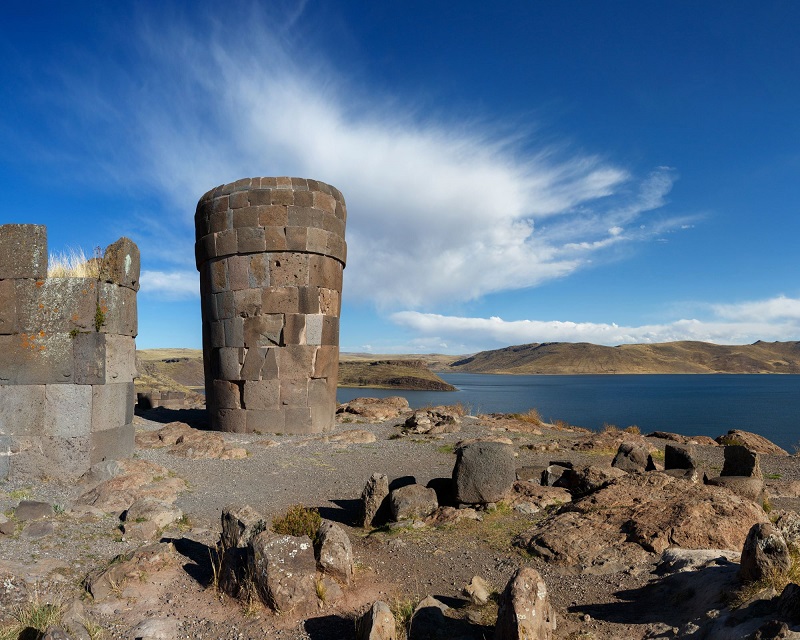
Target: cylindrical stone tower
271, 252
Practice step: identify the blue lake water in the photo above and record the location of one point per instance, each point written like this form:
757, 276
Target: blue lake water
688, 404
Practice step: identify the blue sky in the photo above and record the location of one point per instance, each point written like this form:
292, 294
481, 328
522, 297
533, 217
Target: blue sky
611, 172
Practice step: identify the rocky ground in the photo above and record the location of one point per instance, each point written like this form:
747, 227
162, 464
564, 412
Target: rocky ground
607, 564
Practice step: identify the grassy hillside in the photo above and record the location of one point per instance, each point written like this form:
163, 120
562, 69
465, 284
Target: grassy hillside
670, 357
390, 374
179, 369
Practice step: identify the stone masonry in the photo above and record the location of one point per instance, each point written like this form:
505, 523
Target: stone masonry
67, 358
271, 252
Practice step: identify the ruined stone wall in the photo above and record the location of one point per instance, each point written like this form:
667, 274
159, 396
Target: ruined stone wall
67, 358
271, 252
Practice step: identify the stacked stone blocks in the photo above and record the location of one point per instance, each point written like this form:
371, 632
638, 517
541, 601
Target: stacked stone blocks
67, 357
271, 253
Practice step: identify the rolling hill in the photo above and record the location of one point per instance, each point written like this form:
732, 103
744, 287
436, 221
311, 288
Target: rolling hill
670, 357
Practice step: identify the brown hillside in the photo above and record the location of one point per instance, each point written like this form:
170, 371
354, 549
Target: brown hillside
670, 357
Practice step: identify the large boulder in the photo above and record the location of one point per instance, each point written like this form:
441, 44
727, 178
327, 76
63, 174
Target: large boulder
635, 515
374, 500
679, 457
744, 486
583, 481
412, 501
433, 421
334, 552
764, 553
632, 457
741, 461
377, 623
284, 569
484, 472
753, 441
525, 611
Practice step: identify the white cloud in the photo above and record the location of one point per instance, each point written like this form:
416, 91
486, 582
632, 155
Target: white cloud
172, 285
438, 210
773, 319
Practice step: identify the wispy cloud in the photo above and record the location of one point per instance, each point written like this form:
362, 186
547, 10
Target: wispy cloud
772, 319
170, 285
439, 210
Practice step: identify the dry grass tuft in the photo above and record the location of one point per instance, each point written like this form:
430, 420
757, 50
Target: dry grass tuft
298, 521
775, 579
633, 429
73, 263
531, 416
36, 615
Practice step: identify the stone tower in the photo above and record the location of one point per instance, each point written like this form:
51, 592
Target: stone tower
271, 252
67, 358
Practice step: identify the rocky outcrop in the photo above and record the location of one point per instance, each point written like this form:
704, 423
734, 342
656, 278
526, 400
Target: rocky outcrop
412, 502
333, 552
525, 610
764, 553
372, 409
741, 461
679, 457
753, 441
433, 421
631, 457
283, 570
187, 442
617, 526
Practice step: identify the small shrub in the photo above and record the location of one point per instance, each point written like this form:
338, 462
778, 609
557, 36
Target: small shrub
99, 317
773, 476
298, 521
632, 429
322, 592
402, 610
728, 440
34, 615
610, 428
531, 416
561, 424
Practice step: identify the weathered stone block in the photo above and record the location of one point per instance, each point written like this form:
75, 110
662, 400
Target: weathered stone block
112, 444
68, 410
228, 362
56, 304
314, 328
295, 361
118, 309
22, 409
298, 420
227, 395
112, 405
23, 251
263, 331
253, 361
103, 357
269, 369
280, 300
289, 270
317, 240
251, 240
308, 299
121, 264
248, 302
330, 330
232, 420
8, 307
234, 332
275, 238
273, 216
296, 238
295, 330
226, 243
226, 306
259, 271
326, 362
219, 275
36, 358
266, 421
246, 217
262, 394
294, 392
238, 272
282, 196
329, 302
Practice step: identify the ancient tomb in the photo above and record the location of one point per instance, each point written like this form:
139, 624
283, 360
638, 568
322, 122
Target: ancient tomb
67, 358
271, 252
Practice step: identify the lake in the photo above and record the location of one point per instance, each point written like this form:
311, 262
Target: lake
688, 404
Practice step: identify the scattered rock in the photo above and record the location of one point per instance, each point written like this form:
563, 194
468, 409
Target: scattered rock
552, 474
753, 441
412, 502
478, 591
746, 487
451, 515
525, 610
428, 621
240, 524
32, 510
374, 500
148, 508
334, 552
156, 629
144, 561
354, 436
373, 409
685, 440
377, 623
484, 472
38, 529
741, 461
541, 497
433, 421
582, 482
55, 633
676, 560
633, 457
788, 523
764, 553
284, 569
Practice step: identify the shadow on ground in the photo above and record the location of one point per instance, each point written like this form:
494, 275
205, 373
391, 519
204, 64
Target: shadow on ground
196, 418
